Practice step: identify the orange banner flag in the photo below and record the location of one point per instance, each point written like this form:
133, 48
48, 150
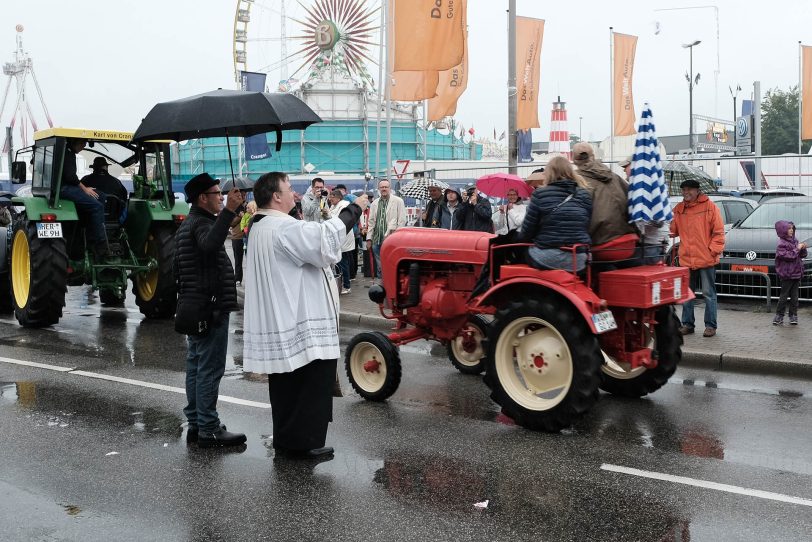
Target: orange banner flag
452, 84
413, 86
625, 47
429, 34
806, 99
529, 34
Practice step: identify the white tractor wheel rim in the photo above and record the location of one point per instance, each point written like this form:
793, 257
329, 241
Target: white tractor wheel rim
533, 363
464, 357
370, 381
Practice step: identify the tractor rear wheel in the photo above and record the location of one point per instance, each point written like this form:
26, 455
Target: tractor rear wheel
467, 351
373, 366
543, 364
155, 291
667, 350
39, 274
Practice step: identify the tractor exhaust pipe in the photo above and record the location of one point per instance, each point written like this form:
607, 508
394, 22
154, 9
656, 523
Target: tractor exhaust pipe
414, 285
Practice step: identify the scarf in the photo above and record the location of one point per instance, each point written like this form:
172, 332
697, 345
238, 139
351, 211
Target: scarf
380, 222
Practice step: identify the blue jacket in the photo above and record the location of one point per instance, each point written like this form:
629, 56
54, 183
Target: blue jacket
567, 225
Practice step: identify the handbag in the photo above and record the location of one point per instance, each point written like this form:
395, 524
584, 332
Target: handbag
195, 315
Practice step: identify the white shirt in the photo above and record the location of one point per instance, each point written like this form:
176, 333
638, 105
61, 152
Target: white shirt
291, 299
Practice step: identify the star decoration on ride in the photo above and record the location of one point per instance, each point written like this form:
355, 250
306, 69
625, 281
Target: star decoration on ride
338, 34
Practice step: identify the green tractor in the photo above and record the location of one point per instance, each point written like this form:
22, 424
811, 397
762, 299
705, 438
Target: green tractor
48, 247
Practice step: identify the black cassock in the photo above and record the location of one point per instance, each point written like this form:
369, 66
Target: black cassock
302, 405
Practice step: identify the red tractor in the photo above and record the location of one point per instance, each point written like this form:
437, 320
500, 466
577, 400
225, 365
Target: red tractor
547, 340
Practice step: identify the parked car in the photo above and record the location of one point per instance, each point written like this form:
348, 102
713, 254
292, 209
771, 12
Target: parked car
750, 248
733, 211
765, 194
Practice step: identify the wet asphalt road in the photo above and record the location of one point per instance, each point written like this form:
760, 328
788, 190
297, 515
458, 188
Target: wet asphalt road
89, 459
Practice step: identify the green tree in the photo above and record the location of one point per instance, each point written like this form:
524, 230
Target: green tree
779, 122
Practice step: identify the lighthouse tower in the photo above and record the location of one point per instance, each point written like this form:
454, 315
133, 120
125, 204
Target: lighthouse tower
559, 136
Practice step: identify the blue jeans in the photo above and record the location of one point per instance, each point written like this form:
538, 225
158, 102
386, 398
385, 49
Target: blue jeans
91, 208
205, 365
707, 278
344, 267
376, 251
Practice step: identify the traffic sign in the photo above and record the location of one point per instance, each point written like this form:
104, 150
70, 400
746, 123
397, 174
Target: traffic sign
400, 167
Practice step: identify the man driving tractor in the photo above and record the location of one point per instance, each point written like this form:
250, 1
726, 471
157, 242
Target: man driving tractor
89, 203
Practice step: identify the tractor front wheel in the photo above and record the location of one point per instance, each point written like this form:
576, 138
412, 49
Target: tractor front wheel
39, 274
467, 351
155, 292
543, 364
373, 366
667, 350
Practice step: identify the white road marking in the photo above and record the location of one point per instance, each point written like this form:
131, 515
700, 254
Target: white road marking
708, 485
141, 383
38, 365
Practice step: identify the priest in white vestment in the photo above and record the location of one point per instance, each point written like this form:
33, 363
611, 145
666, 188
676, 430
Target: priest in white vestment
291, 314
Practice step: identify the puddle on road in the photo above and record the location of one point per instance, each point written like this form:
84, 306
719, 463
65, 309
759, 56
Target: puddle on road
60, 408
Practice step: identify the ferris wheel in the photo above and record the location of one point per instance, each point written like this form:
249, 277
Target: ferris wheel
291, 40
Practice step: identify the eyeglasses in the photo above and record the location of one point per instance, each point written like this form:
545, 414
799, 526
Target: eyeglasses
214, 192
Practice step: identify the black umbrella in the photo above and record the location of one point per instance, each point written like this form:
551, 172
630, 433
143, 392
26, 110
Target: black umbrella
224, 113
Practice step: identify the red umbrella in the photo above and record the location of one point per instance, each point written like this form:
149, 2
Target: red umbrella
497, 185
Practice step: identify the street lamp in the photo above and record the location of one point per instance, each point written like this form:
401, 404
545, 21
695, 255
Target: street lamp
691, 83
734, 94
580, 129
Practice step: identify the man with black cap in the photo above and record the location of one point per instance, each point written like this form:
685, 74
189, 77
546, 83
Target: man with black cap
701, 231
203, 272
101, 181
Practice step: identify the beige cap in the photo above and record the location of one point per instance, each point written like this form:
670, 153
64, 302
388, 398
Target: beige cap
582, 152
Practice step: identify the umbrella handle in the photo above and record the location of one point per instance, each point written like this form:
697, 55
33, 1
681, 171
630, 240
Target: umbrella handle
278, 140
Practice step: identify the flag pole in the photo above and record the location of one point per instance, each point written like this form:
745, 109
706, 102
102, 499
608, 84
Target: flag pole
425, 135
513, 103
611, 94
390, 44
381, 92
800, 108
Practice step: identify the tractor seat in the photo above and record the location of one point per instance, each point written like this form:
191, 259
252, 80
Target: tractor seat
619, 248
113, 209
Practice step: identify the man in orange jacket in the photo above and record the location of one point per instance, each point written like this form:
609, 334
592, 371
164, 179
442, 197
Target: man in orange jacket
698, 224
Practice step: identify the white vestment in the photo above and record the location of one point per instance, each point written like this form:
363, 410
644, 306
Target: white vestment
291, 299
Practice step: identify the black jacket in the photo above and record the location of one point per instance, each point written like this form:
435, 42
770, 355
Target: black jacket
474, 217
434, 210
202, 267
566, 225
104, 182
69, 177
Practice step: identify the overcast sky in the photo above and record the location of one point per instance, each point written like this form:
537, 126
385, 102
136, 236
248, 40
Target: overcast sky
103, 64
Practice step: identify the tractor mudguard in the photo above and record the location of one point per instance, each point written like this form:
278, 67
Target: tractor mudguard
585, 301
34, 207
142, 213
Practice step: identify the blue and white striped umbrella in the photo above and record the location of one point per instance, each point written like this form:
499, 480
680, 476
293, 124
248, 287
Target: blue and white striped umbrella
648, 193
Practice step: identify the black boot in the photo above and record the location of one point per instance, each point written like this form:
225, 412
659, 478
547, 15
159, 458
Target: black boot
221, 437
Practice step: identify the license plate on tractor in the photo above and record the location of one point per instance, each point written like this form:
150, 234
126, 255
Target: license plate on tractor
604, 321
49, 230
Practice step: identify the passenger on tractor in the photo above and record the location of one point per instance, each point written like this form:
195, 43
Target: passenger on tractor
89, 203
101, 181
558, 217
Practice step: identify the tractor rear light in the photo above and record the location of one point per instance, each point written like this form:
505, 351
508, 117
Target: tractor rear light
47, 217
178, 218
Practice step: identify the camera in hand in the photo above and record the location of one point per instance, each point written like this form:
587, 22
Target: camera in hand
324, 193
470, 191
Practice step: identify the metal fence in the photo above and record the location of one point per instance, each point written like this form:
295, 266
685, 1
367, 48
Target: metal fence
791, 171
